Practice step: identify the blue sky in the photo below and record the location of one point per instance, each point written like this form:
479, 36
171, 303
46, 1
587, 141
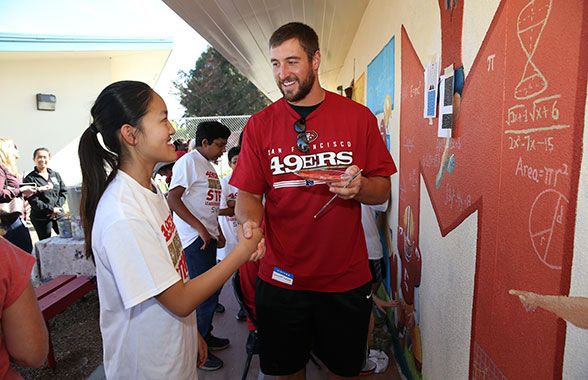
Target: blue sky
124, 18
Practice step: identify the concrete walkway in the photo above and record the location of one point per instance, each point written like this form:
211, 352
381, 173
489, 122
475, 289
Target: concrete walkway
227, 326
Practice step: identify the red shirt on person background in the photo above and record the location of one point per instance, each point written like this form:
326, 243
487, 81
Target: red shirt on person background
15, 274
180, 153
327, 254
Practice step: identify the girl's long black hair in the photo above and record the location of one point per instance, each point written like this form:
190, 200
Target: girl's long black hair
124, 102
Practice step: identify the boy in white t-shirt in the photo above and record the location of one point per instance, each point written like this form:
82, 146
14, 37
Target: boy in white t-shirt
194, 197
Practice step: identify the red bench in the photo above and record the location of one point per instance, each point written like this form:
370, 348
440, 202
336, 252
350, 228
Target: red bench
57, 295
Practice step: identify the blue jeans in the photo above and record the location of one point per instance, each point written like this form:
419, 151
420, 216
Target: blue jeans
198, 262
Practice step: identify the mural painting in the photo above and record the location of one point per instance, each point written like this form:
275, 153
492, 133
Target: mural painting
514, 158
359, 89
380, 88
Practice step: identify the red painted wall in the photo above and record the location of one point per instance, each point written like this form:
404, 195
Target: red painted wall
516, 151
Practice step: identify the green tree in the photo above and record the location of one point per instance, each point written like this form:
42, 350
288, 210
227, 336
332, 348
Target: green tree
214, 87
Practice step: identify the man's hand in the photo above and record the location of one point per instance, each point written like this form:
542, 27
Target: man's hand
248, 228
348, 188
206, 238
222, 241
202, 351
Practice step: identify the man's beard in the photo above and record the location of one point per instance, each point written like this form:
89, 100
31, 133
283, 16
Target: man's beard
304, 88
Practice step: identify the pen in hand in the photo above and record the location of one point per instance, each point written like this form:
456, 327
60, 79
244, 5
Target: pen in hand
336, 195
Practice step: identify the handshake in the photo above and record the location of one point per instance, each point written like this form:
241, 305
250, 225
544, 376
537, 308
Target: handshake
251, 242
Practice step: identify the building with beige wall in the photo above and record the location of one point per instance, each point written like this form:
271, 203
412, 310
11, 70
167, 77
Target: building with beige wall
74, 70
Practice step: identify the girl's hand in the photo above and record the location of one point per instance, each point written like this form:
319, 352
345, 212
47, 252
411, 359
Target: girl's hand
222, 241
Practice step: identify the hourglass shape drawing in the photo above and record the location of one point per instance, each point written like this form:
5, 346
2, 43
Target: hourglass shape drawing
530, 24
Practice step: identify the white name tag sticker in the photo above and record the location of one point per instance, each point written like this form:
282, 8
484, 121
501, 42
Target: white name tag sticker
282, 276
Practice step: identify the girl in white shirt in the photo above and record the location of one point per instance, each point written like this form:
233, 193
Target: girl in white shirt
147, 302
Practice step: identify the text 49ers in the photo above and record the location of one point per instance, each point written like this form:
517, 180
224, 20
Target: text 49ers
293, 163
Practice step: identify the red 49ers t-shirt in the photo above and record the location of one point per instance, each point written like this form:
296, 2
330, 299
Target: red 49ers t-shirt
328, 253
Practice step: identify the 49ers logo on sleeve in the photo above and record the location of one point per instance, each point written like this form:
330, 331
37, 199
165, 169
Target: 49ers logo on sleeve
174, 247
168, 228
293, 162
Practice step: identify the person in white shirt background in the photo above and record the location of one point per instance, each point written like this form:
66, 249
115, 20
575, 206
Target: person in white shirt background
194, 197
226, 218
147, 303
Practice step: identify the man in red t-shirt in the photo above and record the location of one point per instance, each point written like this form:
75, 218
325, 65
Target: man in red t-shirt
314, 289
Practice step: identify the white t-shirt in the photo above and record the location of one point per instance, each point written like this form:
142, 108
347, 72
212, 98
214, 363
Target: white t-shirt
370, 229
138, 255
202, 194
227, 223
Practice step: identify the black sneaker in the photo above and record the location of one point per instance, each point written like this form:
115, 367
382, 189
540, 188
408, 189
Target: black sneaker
241, 316
219, 308
216, 344
212, 363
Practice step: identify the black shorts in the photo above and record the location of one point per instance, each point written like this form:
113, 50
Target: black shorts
292, 323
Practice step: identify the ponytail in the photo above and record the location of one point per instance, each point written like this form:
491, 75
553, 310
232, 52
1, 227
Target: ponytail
120, 103
96, 164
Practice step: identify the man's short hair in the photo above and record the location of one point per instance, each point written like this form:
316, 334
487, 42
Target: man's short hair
234, 151
211, 130
304, 33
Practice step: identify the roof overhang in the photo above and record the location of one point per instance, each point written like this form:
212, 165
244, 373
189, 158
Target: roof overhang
23, 47
240, 31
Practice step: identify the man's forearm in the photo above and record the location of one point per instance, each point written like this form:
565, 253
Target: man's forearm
229, 211
248, 207
374, 190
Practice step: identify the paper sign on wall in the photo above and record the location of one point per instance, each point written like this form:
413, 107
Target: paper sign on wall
431, 87
446, 103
